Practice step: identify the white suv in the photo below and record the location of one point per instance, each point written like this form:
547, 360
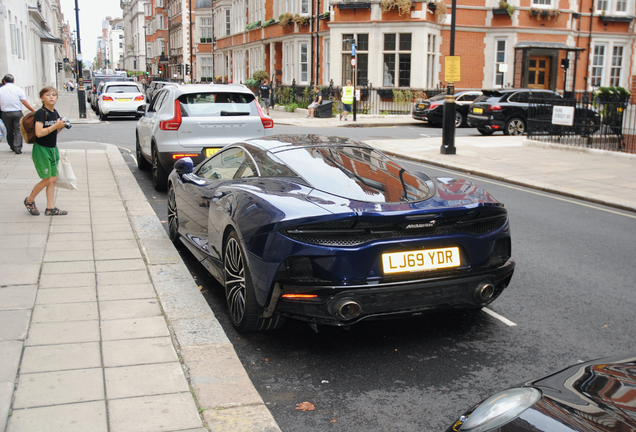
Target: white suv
119, 98
195, 121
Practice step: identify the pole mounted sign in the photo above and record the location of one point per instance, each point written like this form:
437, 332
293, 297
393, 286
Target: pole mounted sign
353, 61
452, 69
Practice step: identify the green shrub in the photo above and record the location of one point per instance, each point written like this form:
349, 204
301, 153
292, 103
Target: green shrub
260, 75
291, 107
252, 83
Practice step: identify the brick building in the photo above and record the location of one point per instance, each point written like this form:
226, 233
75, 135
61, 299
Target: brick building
562, 45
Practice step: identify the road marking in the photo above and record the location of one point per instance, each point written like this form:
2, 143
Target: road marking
528, 190
495, 315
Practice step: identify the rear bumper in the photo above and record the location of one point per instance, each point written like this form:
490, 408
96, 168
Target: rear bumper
407, 298
167, 159
484, 122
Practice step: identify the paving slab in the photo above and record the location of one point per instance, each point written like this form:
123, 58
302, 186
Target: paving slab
135, 308
120, 265
153, 413
77, 417
59, 388
20, 274
133, 381
14, 297
134, 328
51, 333
67, 280
138, 351
126, 277
66, 295
126, 292
49, 358
10, 354
65, 312
14, 324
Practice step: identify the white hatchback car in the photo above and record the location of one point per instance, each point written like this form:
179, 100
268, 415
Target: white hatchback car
195, 121
120, 98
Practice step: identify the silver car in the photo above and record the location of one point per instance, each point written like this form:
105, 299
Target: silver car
195, 121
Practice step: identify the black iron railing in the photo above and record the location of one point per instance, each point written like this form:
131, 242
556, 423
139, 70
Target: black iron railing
599, 123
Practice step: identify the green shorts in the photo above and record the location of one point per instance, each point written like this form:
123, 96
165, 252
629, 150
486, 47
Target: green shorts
45, 160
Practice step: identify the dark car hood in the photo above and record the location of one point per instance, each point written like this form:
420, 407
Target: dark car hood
598, 396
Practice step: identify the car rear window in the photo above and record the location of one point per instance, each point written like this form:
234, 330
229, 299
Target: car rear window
211, 104
122, 89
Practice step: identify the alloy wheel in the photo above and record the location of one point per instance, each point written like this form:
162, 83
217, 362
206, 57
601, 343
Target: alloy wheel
235, 280
516, 127
173, 217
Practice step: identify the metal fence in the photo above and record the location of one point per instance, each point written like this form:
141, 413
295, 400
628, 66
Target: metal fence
598, 123
372, 100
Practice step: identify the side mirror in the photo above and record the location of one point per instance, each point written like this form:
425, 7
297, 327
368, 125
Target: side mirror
184, 166
141, 109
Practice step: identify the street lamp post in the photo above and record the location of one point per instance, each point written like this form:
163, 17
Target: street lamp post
145, 53
81, 97
448, 131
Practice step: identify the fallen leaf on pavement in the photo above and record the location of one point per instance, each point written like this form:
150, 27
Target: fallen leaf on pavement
305, 406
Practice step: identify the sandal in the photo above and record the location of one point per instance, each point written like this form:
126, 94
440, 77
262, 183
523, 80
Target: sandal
55, 212
31, 208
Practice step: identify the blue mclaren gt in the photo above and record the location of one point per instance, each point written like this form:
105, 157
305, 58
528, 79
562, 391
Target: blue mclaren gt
330, 231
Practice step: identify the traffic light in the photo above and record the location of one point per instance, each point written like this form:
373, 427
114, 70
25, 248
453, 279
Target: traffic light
59, 66
187, 69
179, 68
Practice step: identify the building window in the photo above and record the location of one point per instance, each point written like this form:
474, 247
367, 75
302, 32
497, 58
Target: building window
326, 55
400, 58
542, 3
500, 58
621, 6
304, 6
431, 62
228, 22
255, 11
362, 58
161, 27
289, 6
288, 62
206, 67
617, 66
206, 27
597, 65
162, 45
159, 3
304, 63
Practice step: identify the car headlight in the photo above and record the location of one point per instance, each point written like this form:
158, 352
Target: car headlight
501, 408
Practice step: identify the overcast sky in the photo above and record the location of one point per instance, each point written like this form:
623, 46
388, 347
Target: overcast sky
91, 15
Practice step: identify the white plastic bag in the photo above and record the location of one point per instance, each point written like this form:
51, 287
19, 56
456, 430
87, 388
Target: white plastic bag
65, 175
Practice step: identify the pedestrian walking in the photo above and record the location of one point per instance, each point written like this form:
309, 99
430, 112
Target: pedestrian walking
12, 98
46, 156
265, 91
315, 103
347, 100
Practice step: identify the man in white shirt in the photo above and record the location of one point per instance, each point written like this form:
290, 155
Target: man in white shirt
12, 98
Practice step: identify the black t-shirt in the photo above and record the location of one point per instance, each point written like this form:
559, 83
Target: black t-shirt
265, 89
318, 96
47, 118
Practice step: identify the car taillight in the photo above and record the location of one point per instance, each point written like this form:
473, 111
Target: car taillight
174, 123
434, 105
139, 98
268, 122
182, 155
107, 99
494, 108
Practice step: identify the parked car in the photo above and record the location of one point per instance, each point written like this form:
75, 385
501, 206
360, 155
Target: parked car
154, 87
431, 110
506, 110
97, 79
119, 98
330, 231
598, 395
195, 120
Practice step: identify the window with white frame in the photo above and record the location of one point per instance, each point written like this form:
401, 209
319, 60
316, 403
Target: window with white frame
326, 77
397, 60
362, 58
206, 28
238, 11
431, 60
598, 63
288, 62
304, 7
617, 66
256, 60
289, 6
207, 66
500, 59
17, 41
161, 25
255, 11
304, 63
611, 7
149, 51
228, 23
239, 66
542, 3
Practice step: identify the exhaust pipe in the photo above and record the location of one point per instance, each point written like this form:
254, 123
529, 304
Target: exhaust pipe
347, 309
484, 292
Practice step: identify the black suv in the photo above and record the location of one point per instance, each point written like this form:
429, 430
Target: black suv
506, 110
432, 110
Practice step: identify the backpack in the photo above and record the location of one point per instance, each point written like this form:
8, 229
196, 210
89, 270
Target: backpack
27, 128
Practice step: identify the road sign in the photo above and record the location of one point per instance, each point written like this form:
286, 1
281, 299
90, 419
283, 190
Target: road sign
452, 69
563, 115
353, 62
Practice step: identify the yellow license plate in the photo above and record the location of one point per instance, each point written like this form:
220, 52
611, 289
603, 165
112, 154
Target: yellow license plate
421, 106
123, 100
210, 151
420, 260
478, 111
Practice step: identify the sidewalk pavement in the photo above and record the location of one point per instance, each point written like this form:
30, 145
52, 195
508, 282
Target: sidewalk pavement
102, 327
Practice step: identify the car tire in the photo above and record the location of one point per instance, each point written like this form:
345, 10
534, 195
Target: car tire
459, 119
239, 292
159, 175
515, 126
485, 131
102, 116
173, 218
142, 163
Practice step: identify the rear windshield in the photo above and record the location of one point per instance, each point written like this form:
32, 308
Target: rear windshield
121, 89
210, 104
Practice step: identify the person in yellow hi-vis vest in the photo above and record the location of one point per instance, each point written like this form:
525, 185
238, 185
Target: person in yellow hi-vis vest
346, 99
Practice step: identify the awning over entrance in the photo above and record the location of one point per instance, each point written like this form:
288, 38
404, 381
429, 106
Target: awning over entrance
547, 45
47, 37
